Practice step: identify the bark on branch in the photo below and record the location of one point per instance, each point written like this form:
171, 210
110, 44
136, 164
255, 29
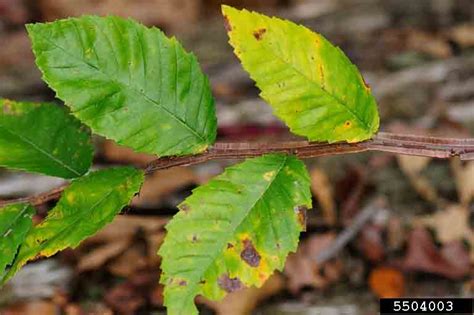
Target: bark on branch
435, 147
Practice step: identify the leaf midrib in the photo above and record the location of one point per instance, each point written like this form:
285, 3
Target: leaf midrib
75, 219
22, 211
40, 150
127, 86
26, 207
336, 99
235, 227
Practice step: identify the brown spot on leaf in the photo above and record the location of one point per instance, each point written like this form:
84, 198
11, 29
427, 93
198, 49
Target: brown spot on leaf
229, 284
229, 246
258, 34
184, 207
195, 238
249, 254
301, 213
8, 107
367, 86
183, 283
321, 75
347, 124
227, 24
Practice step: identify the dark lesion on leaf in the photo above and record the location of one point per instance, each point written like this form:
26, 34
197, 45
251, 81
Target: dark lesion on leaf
366, 85
249, 254
229, 246
184, 207
321, 76
258, 34
227, 24
347, 124
229, 284
301, 214
7, 107
183, 283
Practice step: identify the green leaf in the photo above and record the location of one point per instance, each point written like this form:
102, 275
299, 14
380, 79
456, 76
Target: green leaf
85, 207
15, 222
311, 85
234, 231
43, 138
128, 83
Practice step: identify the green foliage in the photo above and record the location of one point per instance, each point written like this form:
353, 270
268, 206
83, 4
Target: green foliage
85, 207
15, 222
134, 85
43, 138
128, 83
312, 86
234, 231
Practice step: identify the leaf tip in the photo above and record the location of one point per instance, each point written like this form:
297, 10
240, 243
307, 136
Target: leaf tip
226, 11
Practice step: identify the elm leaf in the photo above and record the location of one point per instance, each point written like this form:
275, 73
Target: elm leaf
43, 138
234, 231
15, 222
128, 83
86, 206
311, 85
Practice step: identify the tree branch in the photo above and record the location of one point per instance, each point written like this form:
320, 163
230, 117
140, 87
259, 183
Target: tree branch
442, 148
39, 199
435, 147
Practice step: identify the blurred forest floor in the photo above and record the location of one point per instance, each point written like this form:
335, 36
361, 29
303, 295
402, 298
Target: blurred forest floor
382, 225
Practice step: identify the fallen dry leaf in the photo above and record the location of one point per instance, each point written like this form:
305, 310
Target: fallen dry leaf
127, 297
127, 264
32, 308
412, 166
387, 282
450, 224
126, 226
301, 267
423, 255
124, 299
129, 243
353, 187
99, 256
244, 301
14, 12
322, 189
464, 176
428, 43
463, 34
370, 242
154, 242
115, 153
175, 15
156, 295
91, 308
457, 255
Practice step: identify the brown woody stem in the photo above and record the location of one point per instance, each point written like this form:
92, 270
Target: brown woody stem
442, 148
435, 147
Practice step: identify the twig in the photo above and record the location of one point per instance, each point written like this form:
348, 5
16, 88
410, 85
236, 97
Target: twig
442, 148
384, 142
37, 199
